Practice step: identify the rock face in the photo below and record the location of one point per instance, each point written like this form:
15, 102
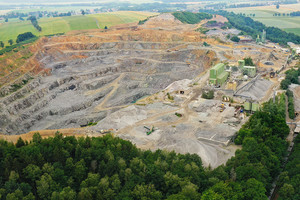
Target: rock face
91, 79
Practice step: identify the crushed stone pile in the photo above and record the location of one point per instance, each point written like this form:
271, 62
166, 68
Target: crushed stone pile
255, 90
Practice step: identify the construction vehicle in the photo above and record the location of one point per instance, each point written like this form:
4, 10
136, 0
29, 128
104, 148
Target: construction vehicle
226, 99
222, 107
106, 131
272, 74
149, 130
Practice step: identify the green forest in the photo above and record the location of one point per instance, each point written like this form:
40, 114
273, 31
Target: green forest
111, 168
291, 108
24, 36
289, 180
191, 18
290, 77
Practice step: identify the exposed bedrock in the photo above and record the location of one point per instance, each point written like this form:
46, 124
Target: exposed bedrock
89, 81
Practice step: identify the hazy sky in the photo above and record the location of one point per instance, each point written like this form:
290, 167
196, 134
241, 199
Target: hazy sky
68, 1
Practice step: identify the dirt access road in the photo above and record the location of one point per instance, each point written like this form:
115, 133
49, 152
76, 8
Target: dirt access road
187, 112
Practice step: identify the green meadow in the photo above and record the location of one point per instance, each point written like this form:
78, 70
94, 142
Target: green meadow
13, 28
265, 15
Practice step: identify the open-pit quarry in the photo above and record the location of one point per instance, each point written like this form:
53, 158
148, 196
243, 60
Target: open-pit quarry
129, 80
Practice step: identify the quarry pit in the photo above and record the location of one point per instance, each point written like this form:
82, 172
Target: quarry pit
119, 80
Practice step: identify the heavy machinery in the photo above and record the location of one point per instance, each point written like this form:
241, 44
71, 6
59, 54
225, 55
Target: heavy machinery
149, 130
222, 107
226, 99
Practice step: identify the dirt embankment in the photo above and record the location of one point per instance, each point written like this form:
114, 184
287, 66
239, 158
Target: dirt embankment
15, 64
50, 133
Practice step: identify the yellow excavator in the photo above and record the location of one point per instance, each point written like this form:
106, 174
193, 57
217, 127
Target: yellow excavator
222, 107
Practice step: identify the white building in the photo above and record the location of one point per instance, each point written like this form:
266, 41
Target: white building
298, 50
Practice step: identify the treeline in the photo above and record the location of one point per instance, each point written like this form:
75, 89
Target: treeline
294, 14
157, 7
245, 5
144, 20
291, 109
62, 14
264, 145
289, 179
253, 28
216, 6
40, 14
251, 15
24, 36
58, 14
291, 76
112, 168
226, 5
222, 5
191, 18
288, 2
35, 23
14, 46
96, 168
14, 15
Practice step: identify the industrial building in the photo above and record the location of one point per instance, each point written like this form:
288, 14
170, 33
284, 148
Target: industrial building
262, 39
251, 106
247, 70
245, 38
263, 36
298, 50
241, 64
218, 75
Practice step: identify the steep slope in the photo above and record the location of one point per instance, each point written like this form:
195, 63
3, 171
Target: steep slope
92, 76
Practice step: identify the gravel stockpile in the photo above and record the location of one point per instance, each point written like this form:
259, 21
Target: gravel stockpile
255, 90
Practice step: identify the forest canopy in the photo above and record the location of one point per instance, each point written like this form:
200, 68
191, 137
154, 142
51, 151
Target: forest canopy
24, 36
191, 18
111, 168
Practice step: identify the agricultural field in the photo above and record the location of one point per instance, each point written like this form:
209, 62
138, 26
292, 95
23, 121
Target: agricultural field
50, 26
3, 12
63, 8
293, 30
65, 2
264, 14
